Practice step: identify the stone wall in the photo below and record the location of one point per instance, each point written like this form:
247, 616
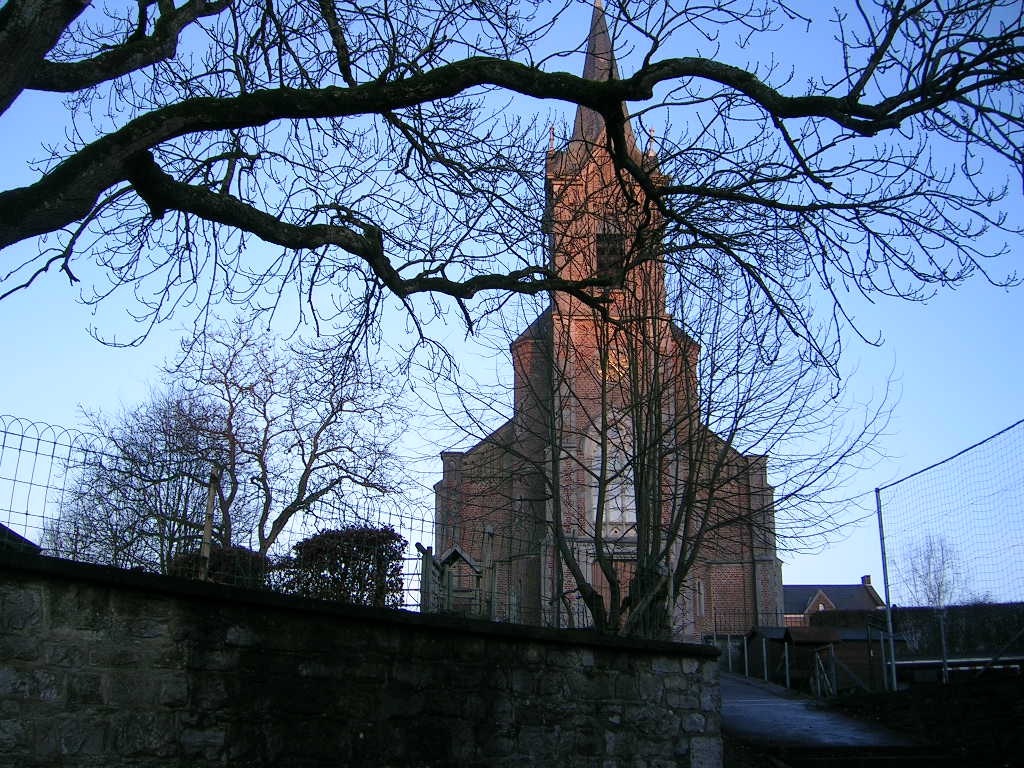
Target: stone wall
100, 667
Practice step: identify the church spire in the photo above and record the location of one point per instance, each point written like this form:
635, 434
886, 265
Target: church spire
599, 65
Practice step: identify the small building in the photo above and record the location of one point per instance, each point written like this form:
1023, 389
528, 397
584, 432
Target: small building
828, 660
801, 601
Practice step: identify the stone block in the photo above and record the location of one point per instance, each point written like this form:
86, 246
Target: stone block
81, 737
626, 688
20, 648
79, 608
686, 700
131, 692
143, 734
665, 666
85, 689
173, 691
711, 699
21, 610
32, 684
650, 687
208, 693
14, 735
706, 752
205, 743
694, 723
241, 636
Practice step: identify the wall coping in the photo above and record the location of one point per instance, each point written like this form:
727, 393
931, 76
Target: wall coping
170, 586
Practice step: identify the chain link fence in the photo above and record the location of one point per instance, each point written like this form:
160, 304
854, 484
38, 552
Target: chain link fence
49, 506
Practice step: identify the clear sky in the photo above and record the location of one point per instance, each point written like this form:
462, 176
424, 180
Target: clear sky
957, 359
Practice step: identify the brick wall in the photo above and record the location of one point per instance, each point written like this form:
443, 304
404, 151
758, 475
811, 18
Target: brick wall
100, 667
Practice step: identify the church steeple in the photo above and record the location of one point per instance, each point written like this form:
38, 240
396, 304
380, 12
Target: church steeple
599, 65
594, 216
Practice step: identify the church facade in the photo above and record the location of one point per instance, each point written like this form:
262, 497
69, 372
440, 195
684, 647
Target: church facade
604, 501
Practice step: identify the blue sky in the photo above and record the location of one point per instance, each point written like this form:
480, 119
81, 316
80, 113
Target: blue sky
957, 360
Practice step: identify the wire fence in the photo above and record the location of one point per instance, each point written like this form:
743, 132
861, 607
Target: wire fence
952, 539
41, 500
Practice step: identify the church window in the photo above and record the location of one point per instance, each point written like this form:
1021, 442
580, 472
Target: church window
698, 598
611, 253
619, 504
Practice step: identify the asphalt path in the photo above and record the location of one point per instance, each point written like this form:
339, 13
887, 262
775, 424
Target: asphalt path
762, 713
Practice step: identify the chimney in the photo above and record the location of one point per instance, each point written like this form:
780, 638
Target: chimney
865, 580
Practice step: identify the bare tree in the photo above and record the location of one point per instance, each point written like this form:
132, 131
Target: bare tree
933, 573
305, 431
280, 434
139, 493
380, 151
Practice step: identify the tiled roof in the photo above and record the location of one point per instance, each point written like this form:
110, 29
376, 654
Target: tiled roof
845, 597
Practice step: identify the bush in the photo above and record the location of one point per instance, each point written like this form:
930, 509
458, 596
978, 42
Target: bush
360, 565
228, 565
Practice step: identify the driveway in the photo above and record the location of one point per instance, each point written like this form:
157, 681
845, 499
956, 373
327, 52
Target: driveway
761, 713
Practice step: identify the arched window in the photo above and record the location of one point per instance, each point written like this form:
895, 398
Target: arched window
698, 597
619, 501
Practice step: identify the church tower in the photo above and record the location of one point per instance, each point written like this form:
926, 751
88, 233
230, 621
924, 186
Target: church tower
577, 511
597, 220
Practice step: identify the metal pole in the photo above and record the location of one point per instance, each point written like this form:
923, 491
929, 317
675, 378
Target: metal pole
942, 637
885, 673
764, 656
885, 579
746, 658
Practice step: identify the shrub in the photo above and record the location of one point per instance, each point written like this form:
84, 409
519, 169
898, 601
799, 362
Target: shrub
228, 565
358, 564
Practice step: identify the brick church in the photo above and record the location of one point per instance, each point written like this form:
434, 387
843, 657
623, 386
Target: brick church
604, 500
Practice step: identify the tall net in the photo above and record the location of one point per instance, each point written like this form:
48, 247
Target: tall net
954, 550
954, 532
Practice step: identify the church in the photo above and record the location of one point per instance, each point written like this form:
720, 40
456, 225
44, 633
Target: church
604, 501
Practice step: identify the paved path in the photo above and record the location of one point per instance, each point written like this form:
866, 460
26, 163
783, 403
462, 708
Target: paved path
762, 713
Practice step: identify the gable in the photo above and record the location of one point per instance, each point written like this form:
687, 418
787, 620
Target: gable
804, 598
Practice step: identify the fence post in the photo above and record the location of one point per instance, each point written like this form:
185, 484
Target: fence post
427, 576
832, 668
211, 498
885, 578
785, 661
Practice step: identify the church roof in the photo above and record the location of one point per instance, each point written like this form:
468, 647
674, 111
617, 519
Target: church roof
538, 330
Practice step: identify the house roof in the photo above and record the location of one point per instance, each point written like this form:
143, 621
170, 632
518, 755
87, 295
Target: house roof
799, 598
456, 553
